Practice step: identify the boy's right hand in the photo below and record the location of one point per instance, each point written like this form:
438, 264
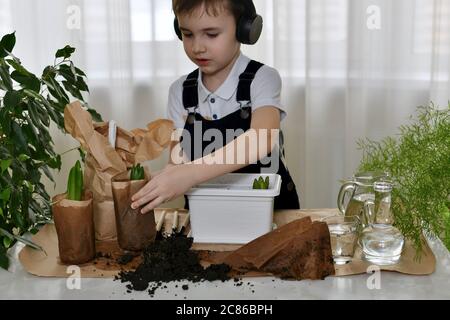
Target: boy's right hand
156, 173
172, 182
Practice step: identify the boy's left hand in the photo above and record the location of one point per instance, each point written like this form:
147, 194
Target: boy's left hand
169, 183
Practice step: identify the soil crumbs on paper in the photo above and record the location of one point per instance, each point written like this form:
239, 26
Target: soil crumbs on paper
170, 259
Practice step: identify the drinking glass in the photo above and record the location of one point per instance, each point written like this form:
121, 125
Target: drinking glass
344, 232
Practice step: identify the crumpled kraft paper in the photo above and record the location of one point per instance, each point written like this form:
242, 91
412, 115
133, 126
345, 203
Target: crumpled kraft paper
104, 161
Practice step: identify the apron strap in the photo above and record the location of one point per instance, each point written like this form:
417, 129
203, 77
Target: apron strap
190, 85
190, 90
245, 81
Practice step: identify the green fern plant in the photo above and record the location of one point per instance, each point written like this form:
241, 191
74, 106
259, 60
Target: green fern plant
419, 161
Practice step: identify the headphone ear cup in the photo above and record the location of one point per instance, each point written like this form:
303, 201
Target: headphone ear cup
256, 29
249, 29
176, 27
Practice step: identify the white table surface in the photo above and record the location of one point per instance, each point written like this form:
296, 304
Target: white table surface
18, 284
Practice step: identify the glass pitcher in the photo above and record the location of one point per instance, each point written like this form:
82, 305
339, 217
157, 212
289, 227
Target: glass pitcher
381, 242
355, 192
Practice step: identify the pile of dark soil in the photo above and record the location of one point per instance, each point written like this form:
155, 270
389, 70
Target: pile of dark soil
170, 259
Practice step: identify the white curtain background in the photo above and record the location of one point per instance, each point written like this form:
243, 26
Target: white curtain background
351, 69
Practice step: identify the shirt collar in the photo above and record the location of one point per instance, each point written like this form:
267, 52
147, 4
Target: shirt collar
227, 89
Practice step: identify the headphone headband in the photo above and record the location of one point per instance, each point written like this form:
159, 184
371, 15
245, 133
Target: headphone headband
248, 27
249, 7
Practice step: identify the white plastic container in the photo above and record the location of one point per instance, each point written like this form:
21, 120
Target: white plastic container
228, 210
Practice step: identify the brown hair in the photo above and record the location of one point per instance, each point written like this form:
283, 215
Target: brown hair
212, 7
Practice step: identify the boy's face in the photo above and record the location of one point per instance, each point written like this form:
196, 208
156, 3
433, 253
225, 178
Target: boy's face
209, 41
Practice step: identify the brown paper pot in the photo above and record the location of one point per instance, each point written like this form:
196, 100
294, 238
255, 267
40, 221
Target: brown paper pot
74, 223
134, 230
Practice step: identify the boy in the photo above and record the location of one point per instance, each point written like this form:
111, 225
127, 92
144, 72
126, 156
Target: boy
227, 92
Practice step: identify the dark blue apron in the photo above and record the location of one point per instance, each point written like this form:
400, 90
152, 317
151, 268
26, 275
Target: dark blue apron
240, 119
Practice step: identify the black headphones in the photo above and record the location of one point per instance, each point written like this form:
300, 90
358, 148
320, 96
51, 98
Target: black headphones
249, 25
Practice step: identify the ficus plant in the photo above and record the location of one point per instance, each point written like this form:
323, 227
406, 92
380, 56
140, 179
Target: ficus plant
28, 105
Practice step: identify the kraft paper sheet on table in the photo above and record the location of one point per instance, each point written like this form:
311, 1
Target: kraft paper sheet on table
47, 265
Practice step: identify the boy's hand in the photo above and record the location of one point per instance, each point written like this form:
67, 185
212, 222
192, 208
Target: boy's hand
169, 183
158, 172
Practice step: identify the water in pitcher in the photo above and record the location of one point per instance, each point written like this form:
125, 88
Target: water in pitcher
382, 244
355, 206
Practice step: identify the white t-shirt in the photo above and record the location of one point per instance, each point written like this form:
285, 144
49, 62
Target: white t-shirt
265, 91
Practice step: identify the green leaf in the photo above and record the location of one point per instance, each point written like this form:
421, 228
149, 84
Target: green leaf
95, 115
5, 195
65, 52
73, 90
35, 95
54, 115
47, 173
29, 186
18, 218
66, 72
5, 121
54, 87
39, 109
6, 177
18, 136
45, 119
4, 261
18, 67
82, 154
79, 180
29, 81
49, 70
4, 153
80, 72
11, 99
6, 242
266, 183
72, 68
19, 171
55, 163
34, 115
81, 85
23, 157
5, 76
4, 164
1, 213
260, 183
137, 172
30, 243
7, 44
71, 184
5, 233
40, 189
56, 90
34, 175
